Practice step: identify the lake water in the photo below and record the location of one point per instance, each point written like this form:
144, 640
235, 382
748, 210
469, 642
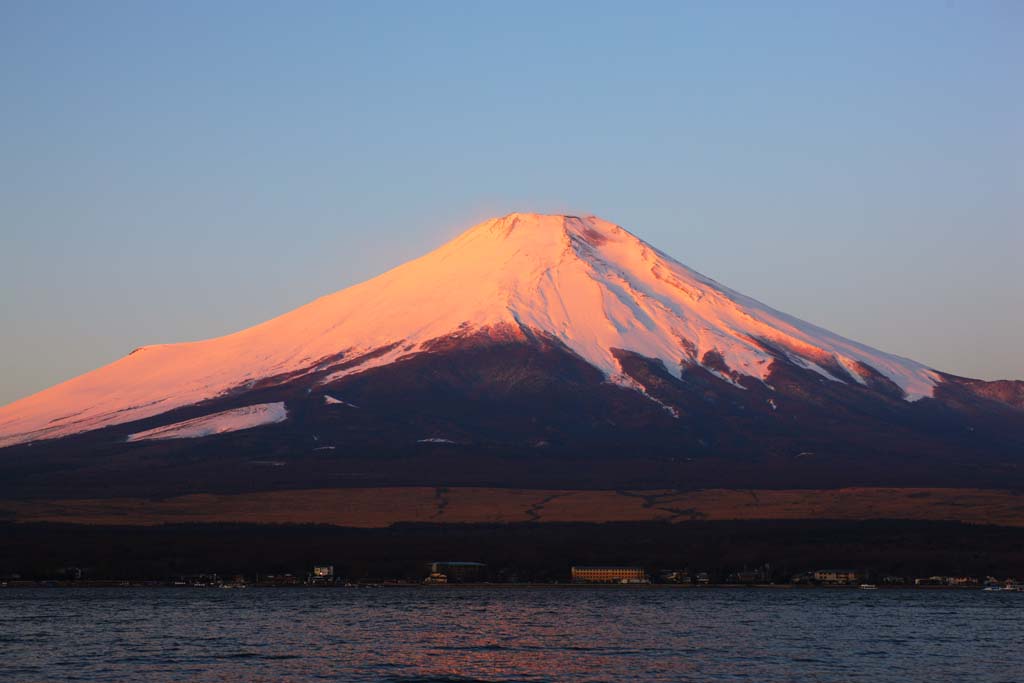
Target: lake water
509, 634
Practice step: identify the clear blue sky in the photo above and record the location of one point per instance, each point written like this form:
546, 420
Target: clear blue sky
178, 170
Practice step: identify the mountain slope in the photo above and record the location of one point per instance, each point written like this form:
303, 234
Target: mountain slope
580, 284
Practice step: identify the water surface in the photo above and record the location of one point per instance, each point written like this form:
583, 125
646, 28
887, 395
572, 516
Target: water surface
509, 634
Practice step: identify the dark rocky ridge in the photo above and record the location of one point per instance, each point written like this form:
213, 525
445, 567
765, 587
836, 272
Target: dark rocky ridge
525, 412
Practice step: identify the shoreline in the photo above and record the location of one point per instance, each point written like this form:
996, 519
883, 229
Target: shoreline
476, 586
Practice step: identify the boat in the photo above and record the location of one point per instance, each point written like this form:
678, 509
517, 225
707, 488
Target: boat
868, 587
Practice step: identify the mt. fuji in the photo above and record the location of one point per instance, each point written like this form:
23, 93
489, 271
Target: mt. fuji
555, 350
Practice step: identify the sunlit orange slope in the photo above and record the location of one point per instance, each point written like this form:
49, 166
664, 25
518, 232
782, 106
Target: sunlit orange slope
581, 280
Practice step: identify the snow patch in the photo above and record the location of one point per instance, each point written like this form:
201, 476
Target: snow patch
729, 379
331, 401
223, 422
813, 367
623, 380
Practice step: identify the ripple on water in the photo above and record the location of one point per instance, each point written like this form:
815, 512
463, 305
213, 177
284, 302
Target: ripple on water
508, 635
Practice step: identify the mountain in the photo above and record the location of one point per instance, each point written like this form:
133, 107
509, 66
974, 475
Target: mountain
533, 351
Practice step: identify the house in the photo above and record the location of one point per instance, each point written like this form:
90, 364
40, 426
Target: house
458, 572
837, 576
747, 576
596, 574
961, 581
675, 576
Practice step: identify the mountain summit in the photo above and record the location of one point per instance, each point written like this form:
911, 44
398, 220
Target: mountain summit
533, 351
581, 282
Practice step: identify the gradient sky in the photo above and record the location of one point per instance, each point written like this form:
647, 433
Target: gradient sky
176, 171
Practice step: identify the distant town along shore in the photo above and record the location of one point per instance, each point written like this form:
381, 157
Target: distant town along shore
798, 554
461, 573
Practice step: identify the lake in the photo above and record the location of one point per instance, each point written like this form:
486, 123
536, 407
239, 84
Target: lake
509, 634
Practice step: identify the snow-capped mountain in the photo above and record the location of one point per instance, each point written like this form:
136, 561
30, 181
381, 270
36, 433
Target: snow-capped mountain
584, 282
532, 350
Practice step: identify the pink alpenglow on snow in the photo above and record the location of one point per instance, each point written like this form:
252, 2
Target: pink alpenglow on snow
218, 423
585, 282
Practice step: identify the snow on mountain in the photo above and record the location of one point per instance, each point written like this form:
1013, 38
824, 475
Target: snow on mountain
331, 401
218, 423
582, 281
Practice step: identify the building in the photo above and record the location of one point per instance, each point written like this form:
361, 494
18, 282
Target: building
278, 579
837, 576
931, 581
609, 575
961, 581
198, 580
947, 581
675, 576
322, 575
458, 572
747, 576
73, 573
